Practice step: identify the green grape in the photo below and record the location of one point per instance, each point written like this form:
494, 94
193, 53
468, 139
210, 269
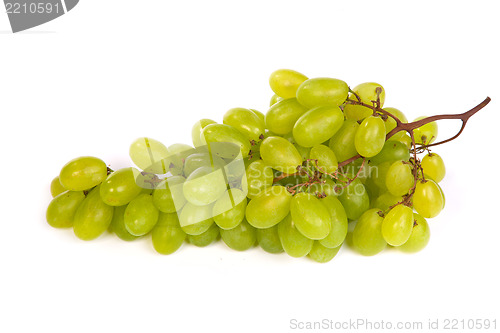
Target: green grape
146, 152
285, 82
204, 186
93, 217
206, 238
428, 199
327, 161
62, 209
294, 243
390, 123
229, 210
379, 174
240, 238
427, 133
245, 121
310, 216
225, 141
280, 154
182, 151
260, 115
199, 160
198, 139
118, 225
317, 125
141, 215
120, 187
372, 189
338, 217
56, 187
370, 136
397, 225
303, 151
406, 140
269, 239
322, 91
386, 200
419, 237
321, 253
367, 92
275, 99
354, 199
269, 207
433, 166
167, 235
399, 178
325, 188
392, 151
342, 143
195, 220
83, 173
168, 195
367, 236
282, 116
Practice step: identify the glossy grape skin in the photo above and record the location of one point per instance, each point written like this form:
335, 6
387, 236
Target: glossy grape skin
342, 143
148, 152
428, 199
269, 239
427, 133
283, 115
259, 177
269, 207
370, 136
322, 91
118, 225
399, 178
385, 200
141, 215
168, 195
204, 186
167, 235
310, 216
339, 222
317, 125
83, 173
397, 225
246, 121
280, 154
321, 253
367, 236
367, 93
390, 123
206, 238
285, 82
62, 209
56, 187
294, 243
275, 99
419, 237
93, 217
198, 139
261, 116
120, 187
392, 151
433, 166
229, 210
327, 161
240, 238
354, 199
223, 140
195, 220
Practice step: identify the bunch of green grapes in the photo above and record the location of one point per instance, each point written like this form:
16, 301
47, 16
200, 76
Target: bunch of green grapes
290, 181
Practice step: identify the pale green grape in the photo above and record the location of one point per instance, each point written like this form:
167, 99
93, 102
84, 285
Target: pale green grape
293, 241
282, 116
310, 216
179, 152
367, 92
204, 186
269, 239
317, 125
428, 199
327, 161
141, 215
62, 209
339, 224
342, 143
386, 200
433, 166
245, 121
167, 235
419, 237
259, 176
240, 238
229, 210
146, 152
367, 236
199, 160
118, 224
206, 238
285, 82
321, 253
120, 187
269, 207
275, 99
397, 225
327, 188
93, 217
370, 136
225, 141
195, 220
83, 173
399, 178
322, 91
354, 199
198, 139
56, 187
427, 133
280, 154
392, 151
261, 116
168, 195
390, 123
379, 174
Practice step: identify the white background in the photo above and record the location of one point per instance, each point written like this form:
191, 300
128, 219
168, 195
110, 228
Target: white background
92, 81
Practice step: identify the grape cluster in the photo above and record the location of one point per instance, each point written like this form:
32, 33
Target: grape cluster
326, 165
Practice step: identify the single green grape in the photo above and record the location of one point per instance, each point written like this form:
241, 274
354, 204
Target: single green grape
367, 92
283, 115
370, 136
419, 237
93, 216
280, 154
338, 216
120, 187
317, 125
269, 239
83, 173
321, 253
293, 241
386, 200
322, 91
269, 207
56, 187
229, 210
433, 166
204, 186
399, 178
62, 209
367, 236
427, 133
428, 199
199, 160
206, 238
275, 99
259, 176
327, 161
167, 235
310, 216
198, 139
245, 121
118, 225
285, 82
342, 143
195, 220
397, 225
168, 195
146, 152
225, 141
240, 238
354, 199
392, 151
390, 123
141, 215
